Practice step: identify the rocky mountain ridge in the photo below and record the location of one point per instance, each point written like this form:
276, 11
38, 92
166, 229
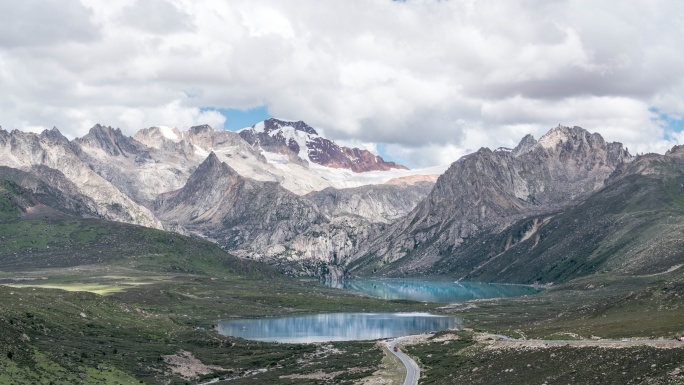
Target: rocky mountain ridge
301, 141
52, 155
262, 220
161, 172
486, 192
547, 210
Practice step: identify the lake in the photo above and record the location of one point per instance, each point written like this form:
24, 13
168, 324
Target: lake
372, 326
435, 291
336, 327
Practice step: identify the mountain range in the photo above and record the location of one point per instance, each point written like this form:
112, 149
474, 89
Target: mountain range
567, 205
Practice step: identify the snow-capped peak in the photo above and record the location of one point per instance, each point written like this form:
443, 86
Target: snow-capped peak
301, 140
170, 133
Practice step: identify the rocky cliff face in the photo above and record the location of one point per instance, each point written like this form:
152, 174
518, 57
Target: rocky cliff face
51, 188
489, 191
183, 151
240, 214
262, 220
299, 140
383, 203
631, 226
51, 150
121, 160
548, 210
188, 179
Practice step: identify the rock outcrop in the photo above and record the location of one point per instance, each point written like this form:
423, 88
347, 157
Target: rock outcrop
383, 203
489, 191
240, 214
50, 149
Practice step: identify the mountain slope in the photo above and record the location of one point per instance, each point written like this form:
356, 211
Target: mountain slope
239, 213
381, 203
137, 170
50, 149
277, 164
486, 192
50, 188
632, 227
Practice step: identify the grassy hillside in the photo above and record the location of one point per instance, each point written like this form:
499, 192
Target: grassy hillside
631, 227
87, 301
10, 201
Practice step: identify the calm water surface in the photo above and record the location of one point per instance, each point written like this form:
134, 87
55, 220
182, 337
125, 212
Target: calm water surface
371, 326
336, 327
435, 291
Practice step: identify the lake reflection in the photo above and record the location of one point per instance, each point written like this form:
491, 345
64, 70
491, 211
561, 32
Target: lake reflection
336, 327
435, 291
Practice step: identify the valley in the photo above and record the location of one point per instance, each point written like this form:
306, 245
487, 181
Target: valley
120, 256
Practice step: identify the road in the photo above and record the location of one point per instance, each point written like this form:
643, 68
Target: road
413, 372
607, 343
412, 369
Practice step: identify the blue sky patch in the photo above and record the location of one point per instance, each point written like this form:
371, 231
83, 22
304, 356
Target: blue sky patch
237, 119
672, 123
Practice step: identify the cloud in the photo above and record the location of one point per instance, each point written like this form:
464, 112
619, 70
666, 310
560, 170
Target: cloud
30, 23
155, 16
431, 79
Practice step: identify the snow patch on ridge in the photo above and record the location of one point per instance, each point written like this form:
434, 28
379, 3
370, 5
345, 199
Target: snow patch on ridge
169, 133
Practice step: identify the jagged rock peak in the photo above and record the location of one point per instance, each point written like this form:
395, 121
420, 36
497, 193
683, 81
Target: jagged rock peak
101, 128
213, 164
201, 128
563, 134
275, 124
676, 151
157, 136
566, 139
54, 134
299, 140
111, 140
211, 159
526, 145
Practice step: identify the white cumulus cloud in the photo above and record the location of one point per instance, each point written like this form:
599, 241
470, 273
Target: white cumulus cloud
432, 80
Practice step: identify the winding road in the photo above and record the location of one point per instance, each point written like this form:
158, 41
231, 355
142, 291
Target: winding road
412, 369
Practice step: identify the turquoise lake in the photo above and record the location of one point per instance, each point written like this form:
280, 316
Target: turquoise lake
435, 291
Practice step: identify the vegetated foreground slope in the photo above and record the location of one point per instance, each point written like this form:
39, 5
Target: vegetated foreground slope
144, 333
34, 235
156, 325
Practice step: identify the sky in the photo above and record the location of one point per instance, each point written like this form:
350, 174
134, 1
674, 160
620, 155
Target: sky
421, 81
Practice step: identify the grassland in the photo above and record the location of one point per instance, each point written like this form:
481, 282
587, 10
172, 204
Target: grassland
590, 309
83, 301
463, 359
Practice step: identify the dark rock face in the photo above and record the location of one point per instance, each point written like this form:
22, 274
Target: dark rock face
49, 188
276, 124
486, 192
285, 138
240, 214
631, 226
